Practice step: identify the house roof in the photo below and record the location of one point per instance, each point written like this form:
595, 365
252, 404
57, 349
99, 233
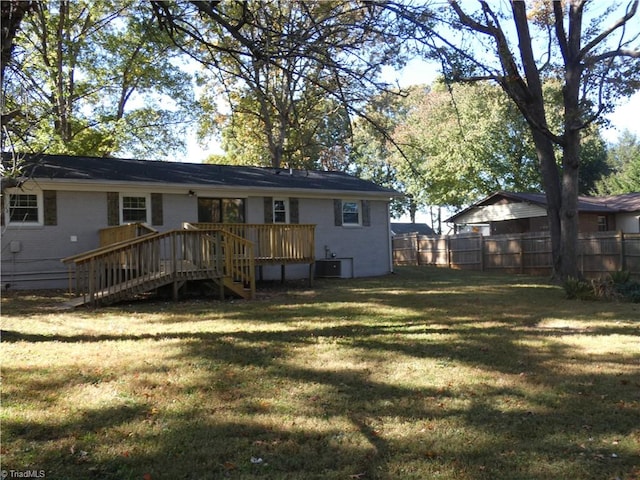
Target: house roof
628, 202
94, 170
398, 228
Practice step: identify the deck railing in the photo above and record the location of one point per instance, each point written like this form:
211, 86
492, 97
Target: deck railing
141, 264
120, 233
273, 243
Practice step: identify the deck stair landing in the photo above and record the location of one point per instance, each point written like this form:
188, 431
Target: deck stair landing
143, 264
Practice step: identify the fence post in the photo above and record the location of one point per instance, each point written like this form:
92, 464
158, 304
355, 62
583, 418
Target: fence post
520, 238
581, 253
622, 251
447, 243
481, 252
415, 254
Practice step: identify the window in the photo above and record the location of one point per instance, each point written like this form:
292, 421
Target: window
280, 211
25, 208
134, 209
603, 225
220, 210
350, 213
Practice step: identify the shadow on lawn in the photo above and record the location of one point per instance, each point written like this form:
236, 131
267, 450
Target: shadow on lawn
337, 420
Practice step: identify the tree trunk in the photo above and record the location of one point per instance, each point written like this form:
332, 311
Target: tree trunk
569, 219
553, 193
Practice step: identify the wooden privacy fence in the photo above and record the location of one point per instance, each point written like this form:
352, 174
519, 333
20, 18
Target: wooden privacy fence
599, 253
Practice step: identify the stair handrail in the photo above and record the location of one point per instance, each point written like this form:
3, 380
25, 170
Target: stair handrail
77, 258
239, 258
235, 252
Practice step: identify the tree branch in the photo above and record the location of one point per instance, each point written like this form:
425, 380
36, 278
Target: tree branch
621, 22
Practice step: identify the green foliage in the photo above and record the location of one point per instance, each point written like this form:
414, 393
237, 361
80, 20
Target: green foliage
615, 286
98, 78
627, 288
624, 163
577, 289
629, 291
462, 142
621, 276
286, 75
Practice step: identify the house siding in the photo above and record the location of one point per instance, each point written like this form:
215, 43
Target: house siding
364, 244
81, 214
37, 263
504, 211
362, 248
628, 222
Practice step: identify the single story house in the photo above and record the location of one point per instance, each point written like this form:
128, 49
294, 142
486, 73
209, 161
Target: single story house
507, 212
66, 206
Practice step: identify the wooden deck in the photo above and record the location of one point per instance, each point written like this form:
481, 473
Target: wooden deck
273, 244
136, 260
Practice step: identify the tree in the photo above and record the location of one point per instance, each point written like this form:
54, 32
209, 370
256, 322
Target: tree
596, 64
271, 59
13, 12
624, 162
315, 136
466, 141
94, 78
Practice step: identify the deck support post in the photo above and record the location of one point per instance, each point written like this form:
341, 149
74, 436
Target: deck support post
311, 275
282, 276
221, 289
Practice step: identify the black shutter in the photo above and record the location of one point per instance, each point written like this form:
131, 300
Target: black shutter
337, 212
113, 207
268, 209
294, 214
366, 213
156, 209
50, 206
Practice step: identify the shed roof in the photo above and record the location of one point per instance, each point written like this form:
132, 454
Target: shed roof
628, 202
399, 228
95, 169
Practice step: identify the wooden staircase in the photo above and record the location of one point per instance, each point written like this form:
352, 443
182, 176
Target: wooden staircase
143, 264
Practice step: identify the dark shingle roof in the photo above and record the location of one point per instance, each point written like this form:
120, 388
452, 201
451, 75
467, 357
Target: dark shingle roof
64, 167
626, 202
399, 228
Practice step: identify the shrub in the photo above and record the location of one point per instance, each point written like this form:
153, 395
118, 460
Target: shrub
620, 277
576, 288
605, 289
629, 290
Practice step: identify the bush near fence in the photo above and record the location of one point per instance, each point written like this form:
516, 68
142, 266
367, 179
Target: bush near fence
599, 253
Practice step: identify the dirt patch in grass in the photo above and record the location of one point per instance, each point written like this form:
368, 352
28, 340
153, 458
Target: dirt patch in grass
423, 374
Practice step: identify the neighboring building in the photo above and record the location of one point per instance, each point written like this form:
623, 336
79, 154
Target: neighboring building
65, 201
399, 228
507, 212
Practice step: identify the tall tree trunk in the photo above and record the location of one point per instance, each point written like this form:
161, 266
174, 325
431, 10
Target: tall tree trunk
553, 193
569, 219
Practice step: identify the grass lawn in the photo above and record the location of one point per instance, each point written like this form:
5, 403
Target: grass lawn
425, 374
